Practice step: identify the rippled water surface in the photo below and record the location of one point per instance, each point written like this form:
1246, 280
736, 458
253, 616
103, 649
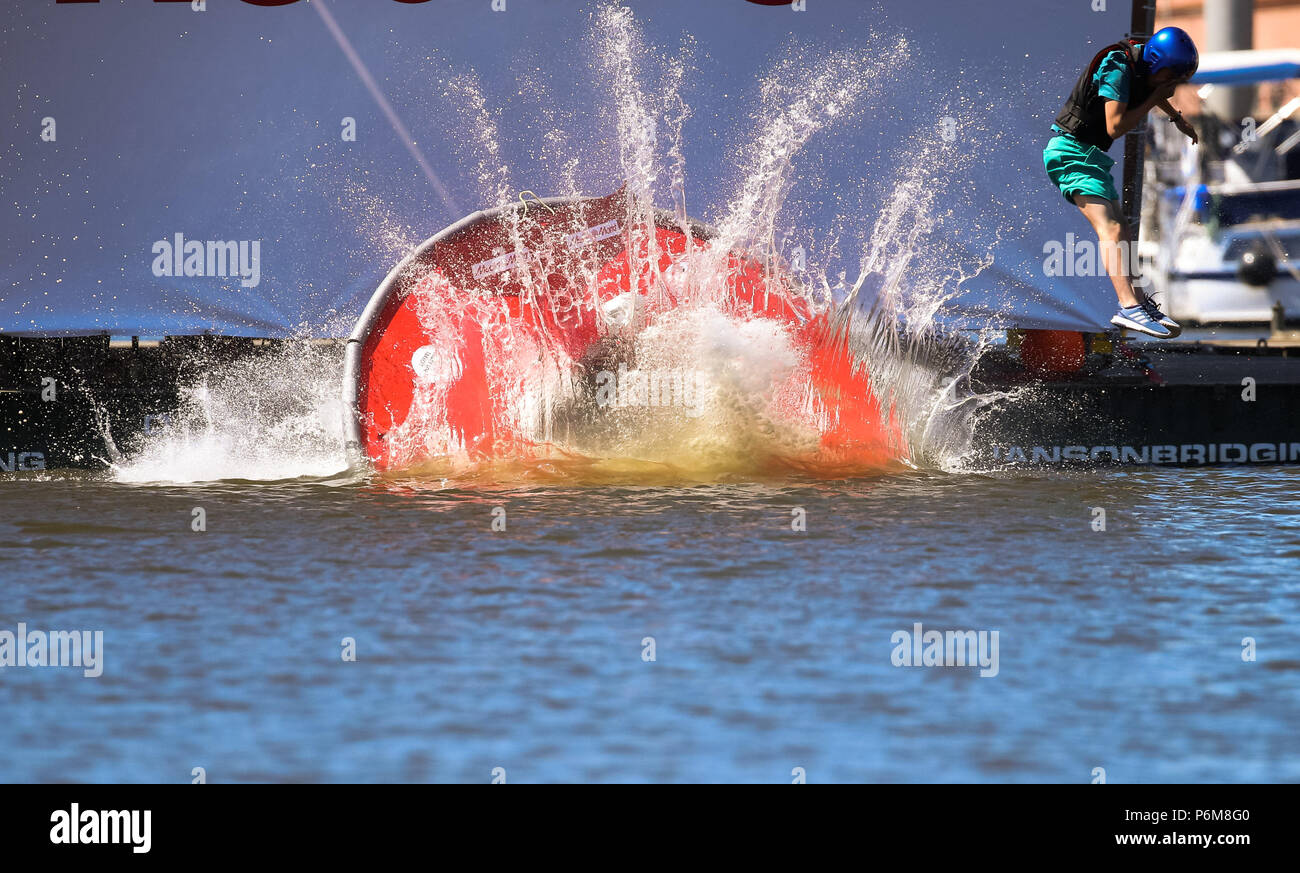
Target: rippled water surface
523, 648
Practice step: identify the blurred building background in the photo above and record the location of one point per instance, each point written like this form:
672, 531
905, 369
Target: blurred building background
1219, 25
1276, 22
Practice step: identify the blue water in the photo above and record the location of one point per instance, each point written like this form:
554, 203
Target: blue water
523, 649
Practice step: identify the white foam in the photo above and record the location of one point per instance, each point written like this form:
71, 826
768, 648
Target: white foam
268, 418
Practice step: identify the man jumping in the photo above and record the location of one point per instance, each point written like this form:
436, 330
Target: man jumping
1115, 92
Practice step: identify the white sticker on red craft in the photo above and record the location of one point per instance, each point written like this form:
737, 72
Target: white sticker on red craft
593, 234
584, 237
492, 266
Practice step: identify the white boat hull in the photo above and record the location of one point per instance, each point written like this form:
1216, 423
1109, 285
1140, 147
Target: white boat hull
1228, 300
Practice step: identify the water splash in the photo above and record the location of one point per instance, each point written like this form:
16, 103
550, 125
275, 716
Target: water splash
891, 314
757, 410
273, 416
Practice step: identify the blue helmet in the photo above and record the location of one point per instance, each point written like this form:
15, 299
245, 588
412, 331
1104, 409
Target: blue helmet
1171, 49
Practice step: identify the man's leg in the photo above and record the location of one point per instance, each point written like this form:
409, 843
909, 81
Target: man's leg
1106, 220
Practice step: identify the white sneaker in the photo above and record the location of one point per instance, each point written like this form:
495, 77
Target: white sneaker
1139, 319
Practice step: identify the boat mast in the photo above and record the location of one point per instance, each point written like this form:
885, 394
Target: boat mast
1141, 24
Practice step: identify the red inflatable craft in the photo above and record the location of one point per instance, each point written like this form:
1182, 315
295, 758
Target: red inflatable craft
524, 296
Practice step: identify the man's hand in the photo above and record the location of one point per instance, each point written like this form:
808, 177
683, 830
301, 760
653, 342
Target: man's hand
1183, 125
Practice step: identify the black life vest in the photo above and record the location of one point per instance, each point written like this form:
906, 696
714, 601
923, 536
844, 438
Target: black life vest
1084, 113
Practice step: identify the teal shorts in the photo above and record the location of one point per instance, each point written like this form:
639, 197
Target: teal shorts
1075, 168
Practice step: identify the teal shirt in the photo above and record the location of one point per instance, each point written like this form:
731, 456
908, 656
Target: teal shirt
1111, 78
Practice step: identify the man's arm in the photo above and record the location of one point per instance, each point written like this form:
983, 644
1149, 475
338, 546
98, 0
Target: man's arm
1120, 119
1179, 121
